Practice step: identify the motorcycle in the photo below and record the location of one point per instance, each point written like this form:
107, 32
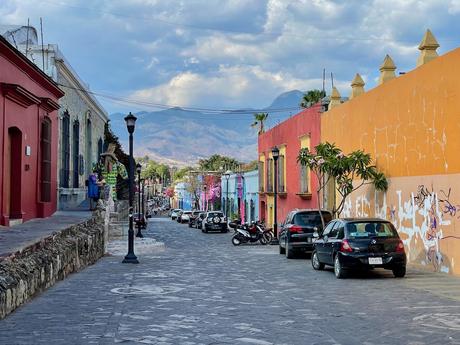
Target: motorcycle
250, 232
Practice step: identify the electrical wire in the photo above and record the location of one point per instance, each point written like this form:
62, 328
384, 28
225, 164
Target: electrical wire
204, 111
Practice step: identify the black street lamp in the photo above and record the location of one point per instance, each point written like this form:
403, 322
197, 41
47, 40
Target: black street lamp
227, 176
205, 199
130, 258
139, 223
275, 155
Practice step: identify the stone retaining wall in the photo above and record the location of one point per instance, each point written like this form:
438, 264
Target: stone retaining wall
37, 267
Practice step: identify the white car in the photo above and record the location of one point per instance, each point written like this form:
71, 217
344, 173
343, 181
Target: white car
185, 217
175, 213
214, 221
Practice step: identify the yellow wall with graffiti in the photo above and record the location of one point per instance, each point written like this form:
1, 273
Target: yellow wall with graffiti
410, 125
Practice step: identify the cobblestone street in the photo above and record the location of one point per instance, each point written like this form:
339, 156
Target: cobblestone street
200, 289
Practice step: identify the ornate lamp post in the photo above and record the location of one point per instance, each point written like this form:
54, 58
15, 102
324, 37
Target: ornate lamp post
227, 177
131, 258
275, 155
139, 222
205, 199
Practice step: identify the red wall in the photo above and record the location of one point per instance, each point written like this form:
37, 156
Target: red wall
16, 69
288, 133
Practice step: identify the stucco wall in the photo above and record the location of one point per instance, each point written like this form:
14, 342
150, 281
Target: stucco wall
287, 136
410, 127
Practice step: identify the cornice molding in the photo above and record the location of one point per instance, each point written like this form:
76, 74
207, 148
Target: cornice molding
19, 95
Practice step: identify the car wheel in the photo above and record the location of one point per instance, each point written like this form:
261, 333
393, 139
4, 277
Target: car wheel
282, 250
399, 272
189, 225
205, 229
338, 269
289, 252
317, 265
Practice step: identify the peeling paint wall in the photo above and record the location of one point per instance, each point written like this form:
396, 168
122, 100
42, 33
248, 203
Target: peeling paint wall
410, 127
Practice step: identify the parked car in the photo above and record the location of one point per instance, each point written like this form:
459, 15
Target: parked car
214, 220
193, 218
175, 213
199, 220
296, 232
360, 243
185, 216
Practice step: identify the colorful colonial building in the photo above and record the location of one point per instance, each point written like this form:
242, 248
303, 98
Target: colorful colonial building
240, 196
295, 183
28, 138
410, 125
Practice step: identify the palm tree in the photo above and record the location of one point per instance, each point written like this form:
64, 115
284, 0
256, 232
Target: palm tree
312, 97
259, 119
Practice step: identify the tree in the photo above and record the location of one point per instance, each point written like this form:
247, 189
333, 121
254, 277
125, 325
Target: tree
330, 163
194, 187
312, 97
259, 119
252, 165
216, 162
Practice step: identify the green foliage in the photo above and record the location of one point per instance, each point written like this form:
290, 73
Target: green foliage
218, 162
329, 162
181, 173
154, 169
312, 97
252, 165
259, 119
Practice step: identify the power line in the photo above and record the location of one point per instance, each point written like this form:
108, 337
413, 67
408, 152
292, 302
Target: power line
205, 111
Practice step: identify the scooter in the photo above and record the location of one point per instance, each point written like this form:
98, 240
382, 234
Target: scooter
251, 232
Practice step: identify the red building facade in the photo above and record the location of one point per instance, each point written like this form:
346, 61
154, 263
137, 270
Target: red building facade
28, 139
296, 185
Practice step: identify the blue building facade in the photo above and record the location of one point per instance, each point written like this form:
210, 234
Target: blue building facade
240, 198
182, 197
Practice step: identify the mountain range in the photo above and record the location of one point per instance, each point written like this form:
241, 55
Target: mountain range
180, 137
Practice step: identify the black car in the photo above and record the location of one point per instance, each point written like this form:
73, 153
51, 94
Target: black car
214, 221
360, 243
193, 219
296, 232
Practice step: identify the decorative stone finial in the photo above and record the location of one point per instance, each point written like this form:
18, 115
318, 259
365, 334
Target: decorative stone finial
357, 86
387, 69
335, 98
427, 48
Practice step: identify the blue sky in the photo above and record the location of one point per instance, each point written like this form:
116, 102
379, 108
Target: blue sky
234, 53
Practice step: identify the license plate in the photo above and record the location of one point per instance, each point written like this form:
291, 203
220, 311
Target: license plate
375, 261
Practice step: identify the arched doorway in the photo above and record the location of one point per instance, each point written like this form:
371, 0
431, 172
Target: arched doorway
13, 175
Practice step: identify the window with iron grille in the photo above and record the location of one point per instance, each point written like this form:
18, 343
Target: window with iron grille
261, 176
76, 153
45, 161
269, 175
281, 177
65, 151
100, 147
304, 183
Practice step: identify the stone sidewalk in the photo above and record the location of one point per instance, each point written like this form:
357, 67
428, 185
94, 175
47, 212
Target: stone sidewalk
16, 238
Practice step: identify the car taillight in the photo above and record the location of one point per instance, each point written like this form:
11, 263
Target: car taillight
400, 247
345, 247
295, 228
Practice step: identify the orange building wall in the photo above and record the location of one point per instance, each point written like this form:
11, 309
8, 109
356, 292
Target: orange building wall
411, 127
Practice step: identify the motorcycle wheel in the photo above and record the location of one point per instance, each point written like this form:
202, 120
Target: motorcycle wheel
267, 237
236, 241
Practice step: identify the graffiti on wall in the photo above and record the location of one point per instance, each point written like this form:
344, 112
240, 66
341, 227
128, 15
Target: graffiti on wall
421, 215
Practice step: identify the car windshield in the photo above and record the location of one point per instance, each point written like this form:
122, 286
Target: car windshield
370, 229
215, 214
311, 218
